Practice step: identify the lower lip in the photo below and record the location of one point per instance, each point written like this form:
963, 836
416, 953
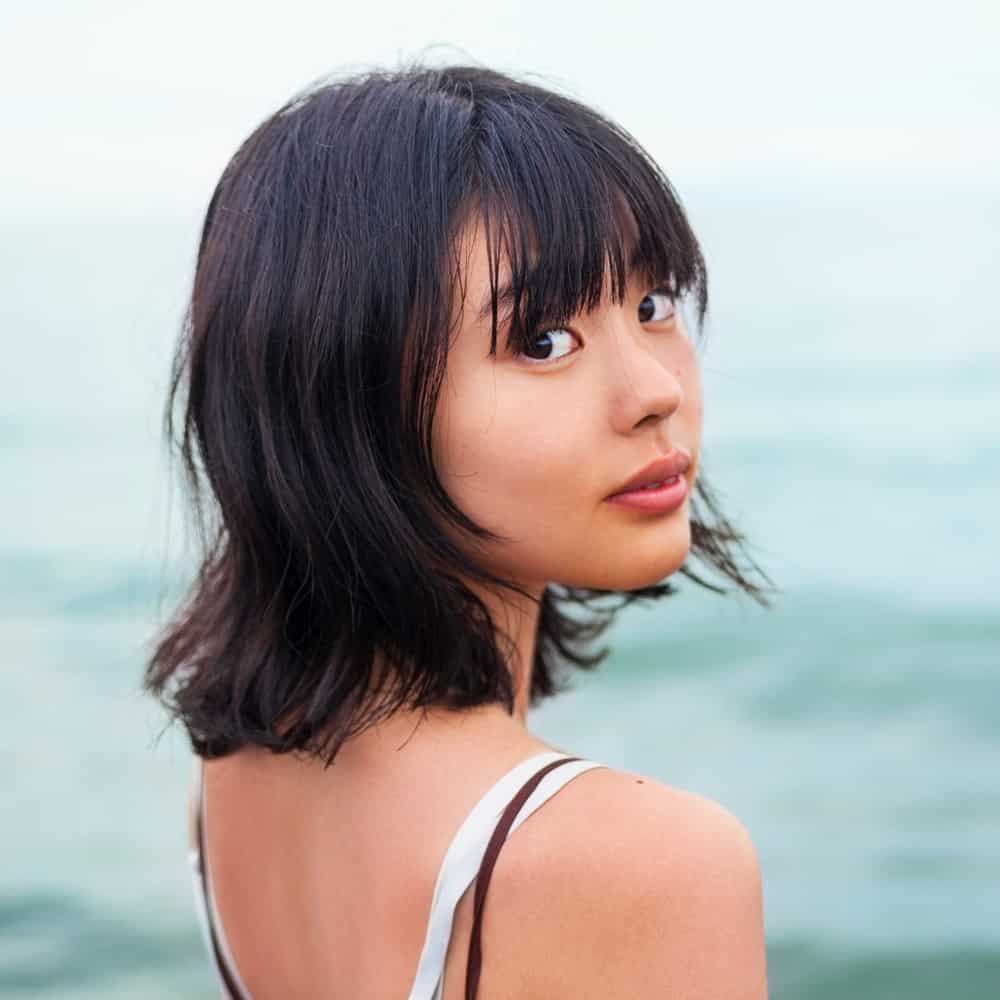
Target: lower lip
669, 496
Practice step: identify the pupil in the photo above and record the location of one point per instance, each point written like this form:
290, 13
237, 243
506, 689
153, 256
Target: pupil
535, 340
645, 312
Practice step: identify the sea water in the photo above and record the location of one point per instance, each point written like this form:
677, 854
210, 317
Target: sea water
852, 382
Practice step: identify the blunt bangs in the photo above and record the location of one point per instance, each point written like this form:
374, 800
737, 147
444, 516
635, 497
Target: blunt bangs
568, 204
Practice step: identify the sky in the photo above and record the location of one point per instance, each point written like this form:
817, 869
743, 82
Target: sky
133, 108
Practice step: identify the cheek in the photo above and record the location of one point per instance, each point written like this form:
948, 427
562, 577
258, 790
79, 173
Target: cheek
505, 461
694, 400
685, 367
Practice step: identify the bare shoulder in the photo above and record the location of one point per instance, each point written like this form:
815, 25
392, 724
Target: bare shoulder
622, 886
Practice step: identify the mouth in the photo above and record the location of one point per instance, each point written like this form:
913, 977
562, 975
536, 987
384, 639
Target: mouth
654, 499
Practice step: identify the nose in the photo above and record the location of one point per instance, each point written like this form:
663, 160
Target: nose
644, 388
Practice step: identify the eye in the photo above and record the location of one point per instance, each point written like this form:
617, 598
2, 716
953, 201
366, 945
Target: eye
656, 307
546, 339
659, 298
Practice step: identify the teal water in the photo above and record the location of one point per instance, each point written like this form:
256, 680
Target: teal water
852, 378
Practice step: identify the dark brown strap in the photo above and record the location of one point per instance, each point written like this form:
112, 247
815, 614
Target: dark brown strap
486, 870
220, 960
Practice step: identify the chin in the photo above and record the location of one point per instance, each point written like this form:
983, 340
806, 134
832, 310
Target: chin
629, 572
634, 581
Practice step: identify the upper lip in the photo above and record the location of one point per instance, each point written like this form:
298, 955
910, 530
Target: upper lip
674, 464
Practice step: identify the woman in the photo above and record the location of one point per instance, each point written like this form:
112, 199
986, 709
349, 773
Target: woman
433, 355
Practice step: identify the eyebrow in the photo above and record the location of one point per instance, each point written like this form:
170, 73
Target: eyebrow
505, 294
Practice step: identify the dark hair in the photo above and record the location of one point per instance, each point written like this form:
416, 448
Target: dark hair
313, 349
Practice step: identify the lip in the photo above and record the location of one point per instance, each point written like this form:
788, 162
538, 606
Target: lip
656, 500
674, 464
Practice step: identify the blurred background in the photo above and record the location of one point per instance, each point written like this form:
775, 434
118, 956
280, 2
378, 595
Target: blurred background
840, 165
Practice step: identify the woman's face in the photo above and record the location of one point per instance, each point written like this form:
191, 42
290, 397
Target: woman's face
530, 446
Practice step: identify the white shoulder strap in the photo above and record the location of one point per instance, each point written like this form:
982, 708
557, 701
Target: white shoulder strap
465, 854
208, 915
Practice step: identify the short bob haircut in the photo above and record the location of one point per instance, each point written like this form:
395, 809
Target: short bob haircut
312, 352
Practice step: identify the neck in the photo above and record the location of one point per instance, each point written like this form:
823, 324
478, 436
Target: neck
490, 726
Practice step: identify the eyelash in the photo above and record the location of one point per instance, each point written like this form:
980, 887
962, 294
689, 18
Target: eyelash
536, 363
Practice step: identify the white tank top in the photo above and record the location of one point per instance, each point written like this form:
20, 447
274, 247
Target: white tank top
460, 866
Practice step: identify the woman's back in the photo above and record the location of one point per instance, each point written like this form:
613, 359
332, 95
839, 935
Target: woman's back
622, 887
360, 891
